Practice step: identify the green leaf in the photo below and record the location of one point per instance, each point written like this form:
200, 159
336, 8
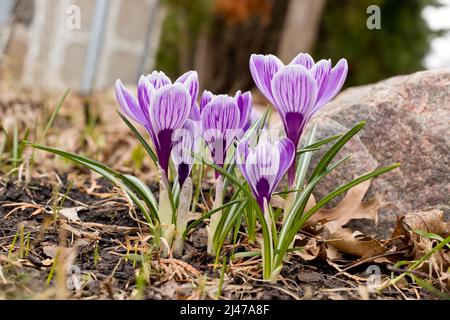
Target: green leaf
110, 174
329, 156
320, 143
306, 150
303, 164
264, 227
288, 229
144, 192
227, 224
55, 113
208, 215
345, 188
141, 139
427, 286
430, 235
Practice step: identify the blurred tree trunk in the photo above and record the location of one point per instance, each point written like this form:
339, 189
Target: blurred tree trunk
301, 28
252, 26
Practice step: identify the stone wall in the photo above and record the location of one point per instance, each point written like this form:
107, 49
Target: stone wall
49, 53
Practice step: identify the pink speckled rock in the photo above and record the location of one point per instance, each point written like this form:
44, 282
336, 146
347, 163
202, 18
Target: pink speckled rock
408, 121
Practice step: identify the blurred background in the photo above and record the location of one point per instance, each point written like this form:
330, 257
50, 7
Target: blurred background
87, 44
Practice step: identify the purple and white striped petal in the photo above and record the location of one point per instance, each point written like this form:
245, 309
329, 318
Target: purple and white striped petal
287, 153
303, 59
169, 110
220, 125
295, 92
129, 104
321, 73
158, 79
185, 143
294, 89
190, 80
195, 113
206, 97
263, 68
334, 82
244, 103
170, 107
241, 155
264, 166
145, 90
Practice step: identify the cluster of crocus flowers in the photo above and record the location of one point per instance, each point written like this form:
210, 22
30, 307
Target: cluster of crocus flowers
175, 122
297, 90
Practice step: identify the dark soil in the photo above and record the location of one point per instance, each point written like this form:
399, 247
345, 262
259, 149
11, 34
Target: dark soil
107, 225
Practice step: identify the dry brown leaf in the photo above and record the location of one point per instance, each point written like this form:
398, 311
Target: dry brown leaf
71, 213
355, 244
310, 250
349, 208
431, 221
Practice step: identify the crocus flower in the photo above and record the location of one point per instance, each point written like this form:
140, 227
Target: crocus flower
264, 166
297, 90
161, 107
223, 118
186, 142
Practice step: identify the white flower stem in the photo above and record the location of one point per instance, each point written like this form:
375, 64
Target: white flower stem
165, 213
215, 218
182, 216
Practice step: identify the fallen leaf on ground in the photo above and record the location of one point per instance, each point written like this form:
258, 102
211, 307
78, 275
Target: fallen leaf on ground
429, 223
350, 208
355, 244
71, 213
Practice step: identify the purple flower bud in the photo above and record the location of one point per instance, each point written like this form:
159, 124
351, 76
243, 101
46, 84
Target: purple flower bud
264, 166
223, 118
186, 141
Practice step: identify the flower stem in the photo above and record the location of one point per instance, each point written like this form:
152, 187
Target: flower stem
165, 212
215, 219
182, 216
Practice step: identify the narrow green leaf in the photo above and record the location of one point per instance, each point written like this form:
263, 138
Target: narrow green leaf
104, 171
303, 164
55, 113
268, 246
329, 156
141, 139
345, 188
143, 191
208, 215
320, 143
288, 231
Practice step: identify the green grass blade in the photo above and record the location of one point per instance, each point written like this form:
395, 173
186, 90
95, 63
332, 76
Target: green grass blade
305, 160
427, 286
15, 147
227, 225
55, 113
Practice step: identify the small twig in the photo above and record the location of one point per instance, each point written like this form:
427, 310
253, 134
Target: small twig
415, 272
